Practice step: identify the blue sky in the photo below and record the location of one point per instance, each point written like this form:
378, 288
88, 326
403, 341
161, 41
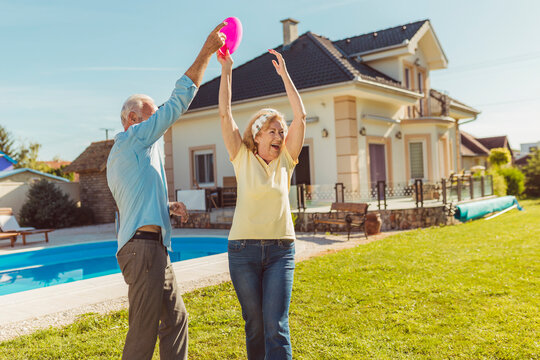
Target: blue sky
66, 67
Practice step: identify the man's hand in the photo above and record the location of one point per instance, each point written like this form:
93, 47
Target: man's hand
215, 40
212, 44
179, 209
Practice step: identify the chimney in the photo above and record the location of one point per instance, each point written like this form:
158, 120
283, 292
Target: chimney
290, 31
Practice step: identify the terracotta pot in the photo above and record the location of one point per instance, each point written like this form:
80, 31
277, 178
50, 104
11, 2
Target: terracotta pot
373, 223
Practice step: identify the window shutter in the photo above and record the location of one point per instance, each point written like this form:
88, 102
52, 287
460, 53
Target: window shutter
416, 153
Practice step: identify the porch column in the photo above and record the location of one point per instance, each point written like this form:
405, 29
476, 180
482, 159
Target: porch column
169, 173
346, 129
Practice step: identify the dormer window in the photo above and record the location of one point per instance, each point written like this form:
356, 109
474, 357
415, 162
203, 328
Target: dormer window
408, 84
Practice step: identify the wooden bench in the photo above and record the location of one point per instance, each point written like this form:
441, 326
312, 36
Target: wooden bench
17, 230
9, 236
355, 217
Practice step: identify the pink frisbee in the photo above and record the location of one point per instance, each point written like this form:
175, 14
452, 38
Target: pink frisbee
233, 31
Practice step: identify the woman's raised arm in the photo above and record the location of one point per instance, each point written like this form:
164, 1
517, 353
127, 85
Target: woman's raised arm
297, 130
229, 129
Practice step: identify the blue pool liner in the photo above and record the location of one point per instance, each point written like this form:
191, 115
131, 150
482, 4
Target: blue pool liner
479, 209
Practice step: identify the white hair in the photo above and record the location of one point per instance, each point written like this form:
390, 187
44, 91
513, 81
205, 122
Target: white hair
133, 103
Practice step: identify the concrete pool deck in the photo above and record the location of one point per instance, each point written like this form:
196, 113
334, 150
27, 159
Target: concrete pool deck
24, 312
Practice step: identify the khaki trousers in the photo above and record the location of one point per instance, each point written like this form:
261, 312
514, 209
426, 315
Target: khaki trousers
155, 305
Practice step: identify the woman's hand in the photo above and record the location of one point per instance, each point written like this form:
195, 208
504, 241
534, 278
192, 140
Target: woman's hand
226, 60
281, 69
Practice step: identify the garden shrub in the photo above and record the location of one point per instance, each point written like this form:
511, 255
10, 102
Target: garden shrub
532, 175
499, 185
47, 206
514, 180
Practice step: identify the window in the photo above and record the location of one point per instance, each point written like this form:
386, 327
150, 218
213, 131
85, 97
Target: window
408, 81
421, 89
203, 168
416, 154
407, 78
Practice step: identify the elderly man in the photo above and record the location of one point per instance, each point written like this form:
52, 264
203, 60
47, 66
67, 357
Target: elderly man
136, 177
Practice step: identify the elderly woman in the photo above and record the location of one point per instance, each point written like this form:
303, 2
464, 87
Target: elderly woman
261, 240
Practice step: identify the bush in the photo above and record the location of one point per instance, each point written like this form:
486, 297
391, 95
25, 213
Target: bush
532, 175
499, 185
84, 216
47, 206
514, 180
499, 157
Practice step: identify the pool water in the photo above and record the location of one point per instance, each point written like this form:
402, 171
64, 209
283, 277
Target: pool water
62, 264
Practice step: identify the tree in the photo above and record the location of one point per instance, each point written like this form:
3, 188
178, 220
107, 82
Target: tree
6, 143
499, 157
27, 156
532, 175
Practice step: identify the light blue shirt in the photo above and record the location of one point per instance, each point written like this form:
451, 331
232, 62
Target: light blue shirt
135, 171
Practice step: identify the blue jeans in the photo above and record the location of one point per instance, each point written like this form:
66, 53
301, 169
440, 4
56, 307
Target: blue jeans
262, 274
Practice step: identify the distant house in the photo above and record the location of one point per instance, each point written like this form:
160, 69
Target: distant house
475, 151
526, 152
529, 148
371, 112
6, 163
91, 165
14, 185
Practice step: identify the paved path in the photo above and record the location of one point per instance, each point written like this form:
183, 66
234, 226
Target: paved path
58, 305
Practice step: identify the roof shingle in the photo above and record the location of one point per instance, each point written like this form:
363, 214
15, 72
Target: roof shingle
384, 38
470, 146
312, 60
92, 159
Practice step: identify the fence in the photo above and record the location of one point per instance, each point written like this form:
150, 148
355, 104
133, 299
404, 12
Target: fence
457, 188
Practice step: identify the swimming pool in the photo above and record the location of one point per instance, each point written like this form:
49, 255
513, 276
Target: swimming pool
34, 269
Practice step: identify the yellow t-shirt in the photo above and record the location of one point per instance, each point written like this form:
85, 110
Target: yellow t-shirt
262, 204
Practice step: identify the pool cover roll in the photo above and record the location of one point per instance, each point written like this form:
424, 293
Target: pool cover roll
478, 209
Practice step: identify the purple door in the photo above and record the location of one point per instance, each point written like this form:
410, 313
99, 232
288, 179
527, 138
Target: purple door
377, 163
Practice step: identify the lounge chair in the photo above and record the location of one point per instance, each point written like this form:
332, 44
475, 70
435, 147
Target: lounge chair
9, 225
9, 236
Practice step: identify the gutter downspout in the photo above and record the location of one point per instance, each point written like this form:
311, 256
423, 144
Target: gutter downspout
459, 163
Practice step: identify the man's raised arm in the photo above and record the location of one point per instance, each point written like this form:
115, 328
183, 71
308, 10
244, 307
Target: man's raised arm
212, 44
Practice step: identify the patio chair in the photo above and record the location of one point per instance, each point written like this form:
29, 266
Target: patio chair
9, 224
9, 236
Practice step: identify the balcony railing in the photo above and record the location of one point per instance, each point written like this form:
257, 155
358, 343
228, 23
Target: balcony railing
434, 104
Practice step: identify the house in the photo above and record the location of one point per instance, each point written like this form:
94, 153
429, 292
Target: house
14, 185
525, 153
6, 163
371, 111
475, 151
91, 166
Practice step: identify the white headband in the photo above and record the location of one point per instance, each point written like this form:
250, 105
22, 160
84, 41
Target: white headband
258, 124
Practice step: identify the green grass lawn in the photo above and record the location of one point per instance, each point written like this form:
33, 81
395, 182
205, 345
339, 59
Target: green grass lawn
459, 292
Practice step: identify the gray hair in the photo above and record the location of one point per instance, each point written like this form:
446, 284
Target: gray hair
133, 103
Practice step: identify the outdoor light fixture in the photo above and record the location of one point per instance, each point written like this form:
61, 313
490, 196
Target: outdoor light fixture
398, 135
324, 133
363, 131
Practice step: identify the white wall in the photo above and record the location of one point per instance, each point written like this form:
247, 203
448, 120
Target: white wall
390, 67
205, 130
